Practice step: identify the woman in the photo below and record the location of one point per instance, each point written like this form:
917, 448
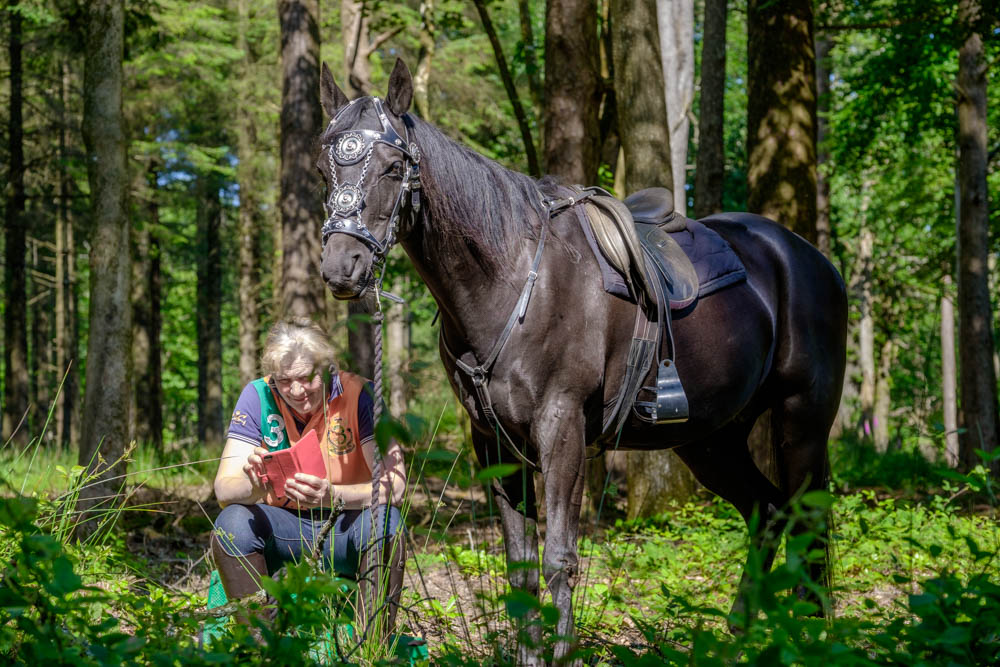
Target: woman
257, 532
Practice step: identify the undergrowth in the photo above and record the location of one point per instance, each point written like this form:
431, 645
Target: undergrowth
917, 581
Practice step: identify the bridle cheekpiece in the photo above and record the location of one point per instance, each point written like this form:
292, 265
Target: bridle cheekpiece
346, 201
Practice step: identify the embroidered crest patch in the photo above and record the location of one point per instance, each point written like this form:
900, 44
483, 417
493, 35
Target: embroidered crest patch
338, 438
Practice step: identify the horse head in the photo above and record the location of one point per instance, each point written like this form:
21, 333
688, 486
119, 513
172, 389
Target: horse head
371, 167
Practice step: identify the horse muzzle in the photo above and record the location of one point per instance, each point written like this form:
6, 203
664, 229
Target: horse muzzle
346, 271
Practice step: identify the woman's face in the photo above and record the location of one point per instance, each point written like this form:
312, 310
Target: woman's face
301, 386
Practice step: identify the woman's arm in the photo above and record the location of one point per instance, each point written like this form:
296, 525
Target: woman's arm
312, 491
236, 481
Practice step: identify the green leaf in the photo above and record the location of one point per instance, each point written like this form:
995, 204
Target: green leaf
498, 470
519, 603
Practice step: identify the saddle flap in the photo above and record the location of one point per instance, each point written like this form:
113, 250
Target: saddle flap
672, 265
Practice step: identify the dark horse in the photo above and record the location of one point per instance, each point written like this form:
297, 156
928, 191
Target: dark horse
775, 341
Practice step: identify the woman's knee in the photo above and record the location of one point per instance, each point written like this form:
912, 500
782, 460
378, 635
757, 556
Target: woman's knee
240, 530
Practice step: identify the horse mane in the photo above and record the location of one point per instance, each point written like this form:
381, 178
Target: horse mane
476, 201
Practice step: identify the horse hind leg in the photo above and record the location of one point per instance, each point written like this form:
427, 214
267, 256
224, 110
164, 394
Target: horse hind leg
800, 430
725, 466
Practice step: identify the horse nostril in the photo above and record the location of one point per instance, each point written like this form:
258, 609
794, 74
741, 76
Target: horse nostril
355, 262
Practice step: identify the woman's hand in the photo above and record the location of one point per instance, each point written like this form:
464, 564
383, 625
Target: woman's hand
308, 490
250, 468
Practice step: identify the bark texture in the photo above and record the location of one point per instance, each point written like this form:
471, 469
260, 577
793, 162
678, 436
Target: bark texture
639, 92
16, 380
675, 21
711, 160
978, 414
109, 359
781, 113
301, 122
572, 91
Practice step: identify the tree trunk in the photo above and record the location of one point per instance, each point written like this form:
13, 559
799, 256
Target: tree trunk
654, 478
65, 256
422, 78
141, 321
16, 380
398, 346
301, 122
949, 406
109, 373
639, 91
572, 91
883, 398
209, 318
249, 220
711, 160
823, 229
978, 414
781, 114
530, 58
147, 410
354, 31
781, 135
675, 21
866, 326
361, 338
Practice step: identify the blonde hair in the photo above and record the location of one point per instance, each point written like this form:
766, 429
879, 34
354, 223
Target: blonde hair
290, 339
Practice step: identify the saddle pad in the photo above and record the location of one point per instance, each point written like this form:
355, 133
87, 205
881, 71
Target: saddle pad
715, 263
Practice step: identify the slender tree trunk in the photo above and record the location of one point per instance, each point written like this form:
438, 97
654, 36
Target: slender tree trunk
949, 400
249, 220
16, 380
354, 31
301, 122
155, 365
530, 58
573, 91
823, 229
711, 161
781, 113
883, 398
65, 255
508, 84
422, 78
361, 338
209, 318
978, 414
675, 21
141, 321
109, 360
866, 327
398, 345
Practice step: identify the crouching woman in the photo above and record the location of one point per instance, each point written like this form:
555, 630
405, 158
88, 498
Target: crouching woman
256, 532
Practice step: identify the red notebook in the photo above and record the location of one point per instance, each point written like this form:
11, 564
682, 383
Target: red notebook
304, 456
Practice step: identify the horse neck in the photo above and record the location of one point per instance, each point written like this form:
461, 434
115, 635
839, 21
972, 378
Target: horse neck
473, 301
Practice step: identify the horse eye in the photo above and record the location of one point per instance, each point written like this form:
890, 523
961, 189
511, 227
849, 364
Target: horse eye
396, 169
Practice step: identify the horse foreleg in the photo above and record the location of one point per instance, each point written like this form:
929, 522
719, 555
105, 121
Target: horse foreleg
560, 442
515, 498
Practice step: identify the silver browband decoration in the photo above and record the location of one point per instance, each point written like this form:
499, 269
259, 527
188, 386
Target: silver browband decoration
347, 201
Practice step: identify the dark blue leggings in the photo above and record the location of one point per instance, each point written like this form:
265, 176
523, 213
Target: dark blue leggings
283, 534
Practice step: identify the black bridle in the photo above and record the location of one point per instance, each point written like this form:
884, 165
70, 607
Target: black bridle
346, 201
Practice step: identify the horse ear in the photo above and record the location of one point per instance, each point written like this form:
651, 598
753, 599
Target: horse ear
332, 97
400, 88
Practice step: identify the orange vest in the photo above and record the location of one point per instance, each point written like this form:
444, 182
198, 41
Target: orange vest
338, 428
